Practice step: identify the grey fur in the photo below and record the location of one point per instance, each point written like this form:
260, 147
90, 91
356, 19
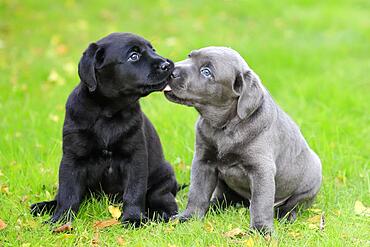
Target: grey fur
244, 141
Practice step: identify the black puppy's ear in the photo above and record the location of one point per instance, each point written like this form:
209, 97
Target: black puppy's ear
91, 59
248, 87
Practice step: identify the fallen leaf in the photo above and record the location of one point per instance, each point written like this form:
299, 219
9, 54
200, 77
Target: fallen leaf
360, 209
273, 243
315, 210
95, 240
294, 234
236, 232
121, 241
2, 225
169, 229
105, 223
67, 235
24, 198
208, 226
115, 212
64, 228
249, 242
4, 189
314, 219
313, 227
1, 173
26, 245
337, 212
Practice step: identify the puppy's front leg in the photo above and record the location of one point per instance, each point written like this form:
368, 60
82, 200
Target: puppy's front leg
72, 188
136, 188
202, 184
262, 180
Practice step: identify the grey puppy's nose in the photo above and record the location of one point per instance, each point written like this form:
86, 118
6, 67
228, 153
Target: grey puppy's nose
165, 66
175, 74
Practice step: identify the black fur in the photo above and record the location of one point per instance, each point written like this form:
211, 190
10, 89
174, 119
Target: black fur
109, 145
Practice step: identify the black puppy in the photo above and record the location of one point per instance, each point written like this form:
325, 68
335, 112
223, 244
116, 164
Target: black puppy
109, 145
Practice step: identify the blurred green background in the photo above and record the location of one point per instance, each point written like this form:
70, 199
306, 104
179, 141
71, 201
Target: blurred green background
313, 56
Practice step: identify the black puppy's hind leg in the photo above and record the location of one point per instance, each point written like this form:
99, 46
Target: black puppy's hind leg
161, 201
71, 191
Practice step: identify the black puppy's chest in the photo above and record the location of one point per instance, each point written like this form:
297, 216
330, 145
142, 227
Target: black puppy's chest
108, 132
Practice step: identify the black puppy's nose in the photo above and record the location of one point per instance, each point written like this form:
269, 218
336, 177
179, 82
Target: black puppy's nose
165, 66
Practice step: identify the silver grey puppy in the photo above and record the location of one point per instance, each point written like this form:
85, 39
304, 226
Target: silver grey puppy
247, 148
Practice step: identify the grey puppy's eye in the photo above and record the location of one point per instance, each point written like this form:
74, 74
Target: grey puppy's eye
206, 72
134, 56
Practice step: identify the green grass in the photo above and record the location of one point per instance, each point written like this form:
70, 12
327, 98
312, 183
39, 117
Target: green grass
314, 57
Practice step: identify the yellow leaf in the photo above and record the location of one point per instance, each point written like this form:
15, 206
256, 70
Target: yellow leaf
294, 234
67, 235
1, 173
114, 211
315, 210
249, 242
208, 226
361, 209
4, 189
313, 226
121, 241
314, 219
26, 245
236, 232
2, 225
169, 229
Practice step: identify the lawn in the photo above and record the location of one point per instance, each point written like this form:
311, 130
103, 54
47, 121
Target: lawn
313, 57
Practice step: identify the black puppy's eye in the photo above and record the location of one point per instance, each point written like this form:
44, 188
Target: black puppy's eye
206, 72
134, 56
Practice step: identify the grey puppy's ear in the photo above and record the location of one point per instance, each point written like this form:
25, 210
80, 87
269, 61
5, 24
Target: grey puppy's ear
93, 56
248, 88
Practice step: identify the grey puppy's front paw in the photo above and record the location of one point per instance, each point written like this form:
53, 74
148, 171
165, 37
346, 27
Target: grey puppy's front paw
263, 229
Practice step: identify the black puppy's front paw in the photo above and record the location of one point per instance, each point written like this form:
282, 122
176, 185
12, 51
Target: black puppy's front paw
135, 221
42, 208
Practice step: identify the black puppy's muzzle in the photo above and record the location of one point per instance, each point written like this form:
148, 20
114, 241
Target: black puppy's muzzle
165, 66
159, 77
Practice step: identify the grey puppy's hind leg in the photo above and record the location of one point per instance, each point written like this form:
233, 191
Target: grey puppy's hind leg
294, 204
224, 197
